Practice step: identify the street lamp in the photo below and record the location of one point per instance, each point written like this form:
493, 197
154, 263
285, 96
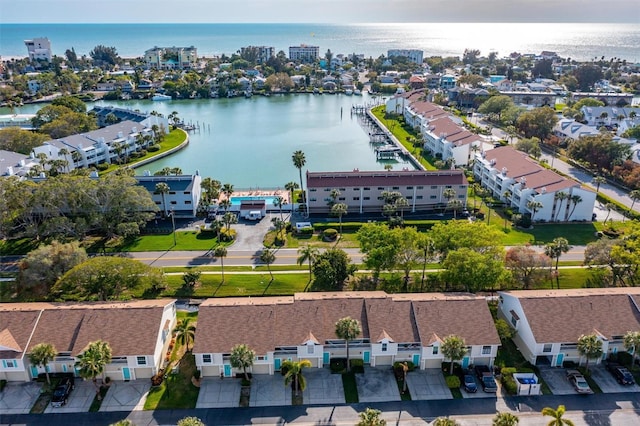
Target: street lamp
173, 224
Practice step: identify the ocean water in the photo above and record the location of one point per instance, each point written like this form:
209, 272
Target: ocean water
577, 41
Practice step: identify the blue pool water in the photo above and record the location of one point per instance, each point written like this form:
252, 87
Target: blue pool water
235, 201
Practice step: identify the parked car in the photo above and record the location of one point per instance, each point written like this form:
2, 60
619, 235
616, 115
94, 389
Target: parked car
579, 382
469, 383
486, 378
62, 391
621, 374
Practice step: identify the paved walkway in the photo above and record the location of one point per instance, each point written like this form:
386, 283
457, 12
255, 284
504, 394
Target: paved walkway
18, 398
216, 393
377, 385
126, 396
428, 384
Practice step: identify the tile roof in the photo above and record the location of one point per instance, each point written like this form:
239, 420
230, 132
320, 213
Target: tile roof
386, 178
610, 312
131, 328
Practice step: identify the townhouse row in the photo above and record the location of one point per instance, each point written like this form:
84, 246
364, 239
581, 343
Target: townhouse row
394, 327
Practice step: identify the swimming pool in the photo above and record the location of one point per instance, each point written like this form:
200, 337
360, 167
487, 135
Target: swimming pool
269, 199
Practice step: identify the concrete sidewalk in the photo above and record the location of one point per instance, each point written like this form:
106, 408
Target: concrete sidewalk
216, 393
428, 384
18, 398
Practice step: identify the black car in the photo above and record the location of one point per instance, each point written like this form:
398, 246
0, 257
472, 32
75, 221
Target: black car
62, 391
470, 383
622, 375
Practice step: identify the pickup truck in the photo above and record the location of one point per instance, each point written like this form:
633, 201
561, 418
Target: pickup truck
486, 378
621, 374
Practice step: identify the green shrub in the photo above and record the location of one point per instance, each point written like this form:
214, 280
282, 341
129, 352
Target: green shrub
102, 166
153, 148
357, 366
509, 383
398, 364
508, 371
330, 234
338, 365
453, 382
305, 231
227, 235
208, 232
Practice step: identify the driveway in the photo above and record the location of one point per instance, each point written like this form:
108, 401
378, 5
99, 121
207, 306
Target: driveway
556, 379
608, 383
216, 393
126, 396
480, 393
80, 399
18, 398
267, 390
251, 233
323, 387
428, 384
377, 385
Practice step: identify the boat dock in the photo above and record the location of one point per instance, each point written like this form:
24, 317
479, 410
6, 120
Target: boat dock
388, 152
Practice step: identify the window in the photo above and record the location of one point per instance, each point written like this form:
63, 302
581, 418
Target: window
9, 363
187, 202
206, 358
313, 199
356, 189
514, 322
187, 192
435, 350
327, 189
410, 197
366, 188
448, 186
342, 189
381, 188
384, 347
356, 198
312, 190
261, 358
396, 187
461, 196
310, 349
419, 197
366, 198
433, 197
341, 199
462, 187
420, 187
547, 347
172, 192
141, 360
174, 202
486, 350
409, 187
434, 186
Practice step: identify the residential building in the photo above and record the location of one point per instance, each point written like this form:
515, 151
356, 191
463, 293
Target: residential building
549, 323
450, 141
414, 55
398, 327
468, 97
183, 197
171, 57
362, 191
570, 129
610, 115
514, 178
262, 53
39, 49
138, 333
124, 114
104, 145
531, 98
609, 98
14, 164
304, 53
24, 121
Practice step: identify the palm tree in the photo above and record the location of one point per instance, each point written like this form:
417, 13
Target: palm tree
599, 180
227, 190
339, 210
554, 250
427, 250
575, 200
162, 188
185, 332
454, 348
635, 196
309, 254
40, 356
348, 328
221, 252
242, 356
225, 204
449, 194
299, 161
589, 346
93, 360
278, 202
176, 171
609, 207
505, 419
229, 219
559, 196
294, 374
291, 187
268, 257
371, 417
534, 206
632, 344
455, 205
401, 203
557, 415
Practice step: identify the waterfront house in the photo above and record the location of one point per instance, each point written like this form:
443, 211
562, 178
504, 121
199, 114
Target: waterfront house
398, 327
568, 129
39, 49
609, 115
361, 191
447, 140
138, 332
183, 197
168, 58
304, 53
548, 323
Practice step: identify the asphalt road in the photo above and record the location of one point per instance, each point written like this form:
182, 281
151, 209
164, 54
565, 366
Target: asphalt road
614, 409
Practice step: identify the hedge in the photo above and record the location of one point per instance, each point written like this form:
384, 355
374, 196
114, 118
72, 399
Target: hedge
453, 382
420, 225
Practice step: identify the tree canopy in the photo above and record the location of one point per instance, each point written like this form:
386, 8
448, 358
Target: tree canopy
21, 141
600, 151
538, 122
331, 269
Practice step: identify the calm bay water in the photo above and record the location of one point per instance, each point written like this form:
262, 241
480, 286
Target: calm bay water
249, 142
578, 41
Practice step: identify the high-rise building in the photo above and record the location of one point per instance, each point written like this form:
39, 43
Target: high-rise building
39, 49
414, 55
304, 53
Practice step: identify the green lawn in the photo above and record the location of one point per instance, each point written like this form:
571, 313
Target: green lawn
350, 388
176, 391
185, 240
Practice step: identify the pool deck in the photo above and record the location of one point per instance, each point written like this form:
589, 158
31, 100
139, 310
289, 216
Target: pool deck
257, 193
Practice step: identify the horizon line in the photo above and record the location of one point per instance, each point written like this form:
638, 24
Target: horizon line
316, 23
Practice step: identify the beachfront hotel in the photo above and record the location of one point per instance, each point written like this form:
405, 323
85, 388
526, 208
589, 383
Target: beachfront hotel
362, 191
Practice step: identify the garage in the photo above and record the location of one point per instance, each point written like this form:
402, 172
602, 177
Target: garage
383, 360
432, 363
260, 369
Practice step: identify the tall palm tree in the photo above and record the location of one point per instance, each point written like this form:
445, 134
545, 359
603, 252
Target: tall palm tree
454, 205
278, 202
348, 328
221, 252
294, 374
401, 203
557, 416
339, 210
589, 346
599, 180
454, 348
268, 257
185, 332
41, 355
574, 200
505, 419
93, 360
291, 187
309, 254
163, 188
635, 196
632, 344
559, 196
609, 207
534, 206
554, 250
227, 190
299, 161
242, 356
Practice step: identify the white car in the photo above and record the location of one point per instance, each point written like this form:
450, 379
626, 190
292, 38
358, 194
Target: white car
579, 382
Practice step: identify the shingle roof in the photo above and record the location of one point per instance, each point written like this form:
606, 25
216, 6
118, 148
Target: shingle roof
393, 318
387, 178
563, 316
15, 330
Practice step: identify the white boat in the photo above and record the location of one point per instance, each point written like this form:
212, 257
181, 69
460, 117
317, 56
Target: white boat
161, 97
357, 92
348, 92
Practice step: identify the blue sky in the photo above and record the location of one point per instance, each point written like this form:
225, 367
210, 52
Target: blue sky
324, 11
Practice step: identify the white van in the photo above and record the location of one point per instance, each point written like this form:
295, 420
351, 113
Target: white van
254, 215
